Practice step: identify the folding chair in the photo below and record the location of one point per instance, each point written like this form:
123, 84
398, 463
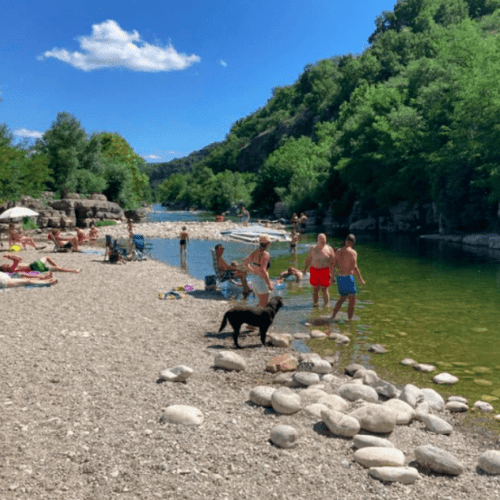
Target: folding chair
141, 247
221, 277
57, 247
109, 246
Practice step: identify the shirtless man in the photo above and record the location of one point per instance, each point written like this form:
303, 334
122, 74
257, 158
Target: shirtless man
229, 271
346, 259
321, 259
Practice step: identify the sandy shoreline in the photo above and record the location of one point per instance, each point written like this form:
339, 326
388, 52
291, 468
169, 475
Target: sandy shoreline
80, 408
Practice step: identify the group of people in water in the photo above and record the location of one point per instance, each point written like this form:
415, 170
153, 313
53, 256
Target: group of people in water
322, 260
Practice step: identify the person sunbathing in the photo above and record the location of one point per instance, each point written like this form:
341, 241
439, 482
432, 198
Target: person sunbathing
43, 265
7, 281
20, 238
73, 242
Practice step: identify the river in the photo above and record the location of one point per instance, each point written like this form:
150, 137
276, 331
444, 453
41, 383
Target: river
435, 302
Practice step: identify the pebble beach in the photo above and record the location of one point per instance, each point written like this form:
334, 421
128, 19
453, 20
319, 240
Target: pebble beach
82, 410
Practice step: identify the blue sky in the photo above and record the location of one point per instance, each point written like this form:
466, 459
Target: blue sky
170, 76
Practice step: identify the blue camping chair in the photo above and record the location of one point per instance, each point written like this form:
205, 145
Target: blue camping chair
141, 247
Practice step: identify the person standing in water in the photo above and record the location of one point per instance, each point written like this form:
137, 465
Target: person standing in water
321, 259
183, 239
346, 259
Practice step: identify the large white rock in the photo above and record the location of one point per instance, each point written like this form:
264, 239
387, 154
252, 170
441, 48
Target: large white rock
436, 424
483, 406
182, 414
422, 367
404, 475
365, 440
334, 402
311, 395
285, 401
408, 362
370, 377
410, 394
284, 436
262, 395
339, 338
229, 361
489, 461
460, 399
317, 334
178, 373
279, 340
353, 392
374, 456
315, 365
404, 412
306, 378
314, 410
433, 399
438, 460
340, 424
445, 378
376, 418
455, 406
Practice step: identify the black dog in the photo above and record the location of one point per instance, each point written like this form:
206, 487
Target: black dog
255, 316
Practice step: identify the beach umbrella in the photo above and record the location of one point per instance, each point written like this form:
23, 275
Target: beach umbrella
15, 212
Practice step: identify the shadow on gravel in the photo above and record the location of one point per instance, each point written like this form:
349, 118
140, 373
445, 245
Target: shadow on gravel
207, 295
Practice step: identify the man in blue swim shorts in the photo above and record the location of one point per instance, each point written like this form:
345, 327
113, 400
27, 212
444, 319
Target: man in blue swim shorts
346, 259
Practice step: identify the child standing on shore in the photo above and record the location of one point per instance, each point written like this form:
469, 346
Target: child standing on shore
183, 239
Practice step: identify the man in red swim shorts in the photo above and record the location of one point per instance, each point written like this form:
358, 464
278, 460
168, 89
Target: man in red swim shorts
321, 258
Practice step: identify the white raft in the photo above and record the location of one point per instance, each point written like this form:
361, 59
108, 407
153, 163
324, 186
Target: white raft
252, 233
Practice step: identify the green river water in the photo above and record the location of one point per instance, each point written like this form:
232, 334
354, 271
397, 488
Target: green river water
433, 302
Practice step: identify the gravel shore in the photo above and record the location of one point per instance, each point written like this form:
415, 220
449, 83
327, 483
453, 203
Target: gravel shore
81, 405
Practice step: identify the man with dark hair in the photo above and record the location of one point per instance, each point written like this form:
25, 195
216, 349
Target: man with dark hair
346, 259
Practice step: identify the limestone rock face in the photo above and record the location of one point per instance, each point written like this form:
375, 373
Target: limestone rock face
229, 361
353, 392
376, 418
284, 436
489, 461
262, 395
438, 460
285, 401
340, 424
182, 414
373, 456
404, 475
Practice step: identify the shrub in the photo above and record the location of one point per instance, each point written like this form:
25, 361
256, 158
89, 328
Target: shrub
105, 222
29, 224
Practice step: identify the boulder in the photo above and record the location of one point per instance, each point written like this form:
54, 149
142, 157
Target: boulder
285, 401
489, 462
178, 373
314, 410
279, 340
433, 399
376, 418
445, 378
483, 406
262, 395
374, 456
455, 406
340, 424
436, 424
283, 363
284, 436
353, 368
311, 395
229, 361
410, 394
334, 402
365, 440
316, 365
182, 414
353, 392
306, 378
438, 460
404, 412
404, 475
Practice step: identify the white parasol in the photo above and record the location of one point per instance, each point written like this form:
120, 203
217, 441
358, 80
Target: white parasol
15, 212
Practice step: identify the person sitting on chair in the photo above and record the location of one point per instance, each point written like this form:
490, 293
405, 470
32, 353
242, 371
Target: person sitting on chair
230, 271
20, 238
73, 243
93, 233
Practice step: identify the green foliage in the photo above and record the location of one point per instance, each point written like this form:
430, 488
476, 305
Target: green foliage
29, 224
104, 223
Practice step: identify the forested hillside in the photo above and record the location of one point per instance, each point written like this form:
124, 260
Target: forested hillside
414, 118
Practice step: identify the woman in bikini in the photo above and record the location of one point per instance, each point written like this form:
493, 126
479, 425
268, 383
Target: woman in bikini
258, 263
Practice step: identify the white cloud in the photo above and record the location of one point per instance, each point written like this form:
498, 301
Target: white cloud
34, 134
111, 47
222, 63
151, 157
